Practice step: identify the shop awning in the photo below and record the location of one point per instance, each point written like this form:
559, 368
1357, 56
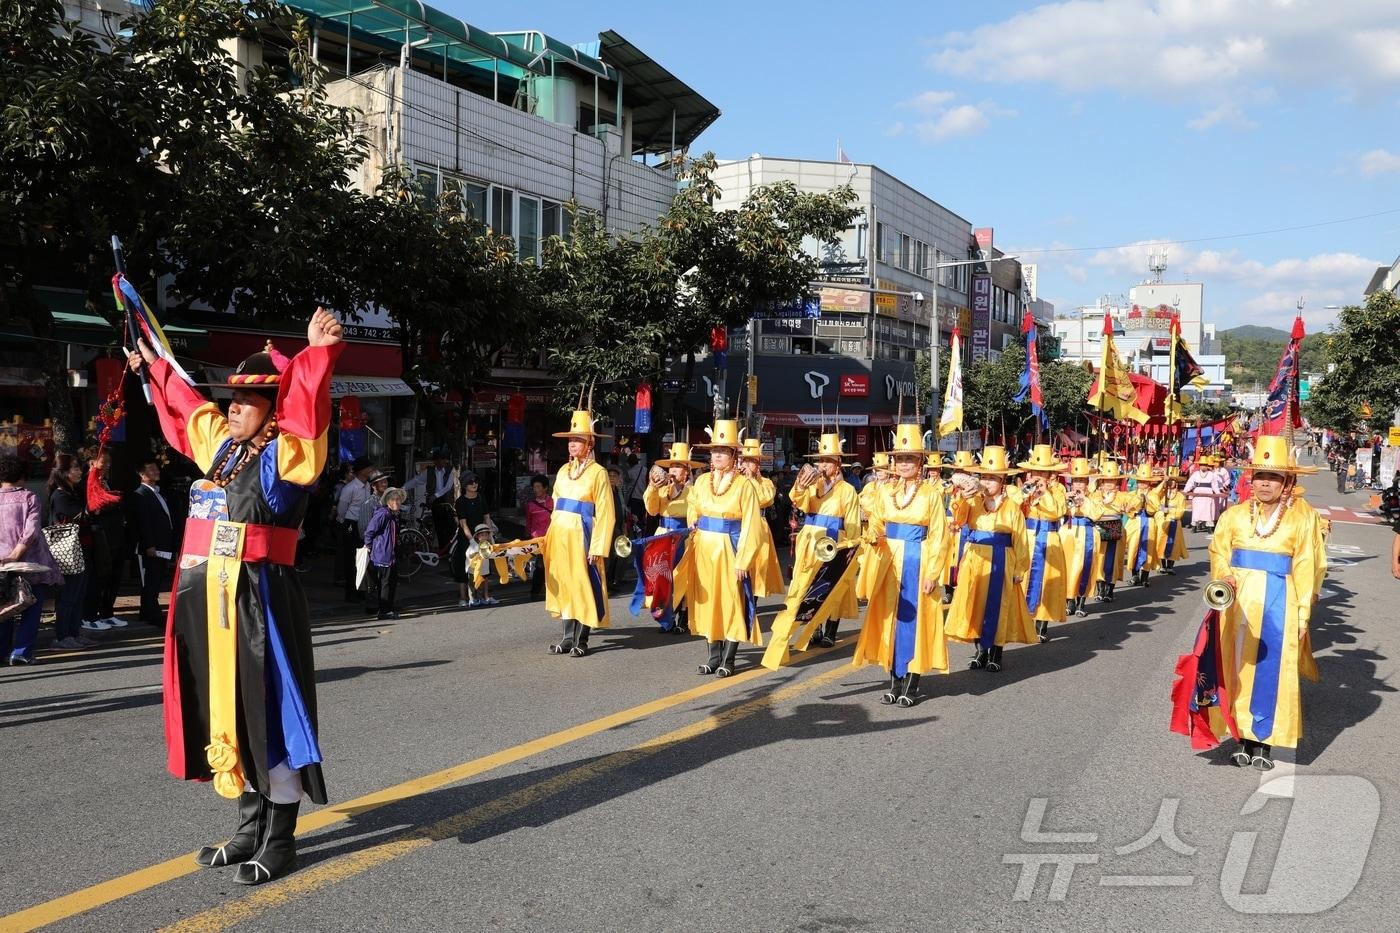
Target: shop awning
365, 386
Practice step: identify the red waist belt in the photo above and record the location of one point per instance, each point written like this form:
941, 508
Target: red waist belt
261, 543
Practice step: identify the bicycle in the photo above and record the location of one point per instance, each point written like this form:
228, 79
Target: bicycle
415, 547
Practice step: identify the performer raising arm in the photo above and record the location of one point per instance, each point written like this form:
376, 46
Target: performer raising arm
239, 681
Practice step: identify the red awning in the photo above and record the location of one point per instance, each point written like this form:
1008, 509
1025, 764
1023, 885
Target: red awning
1151, 394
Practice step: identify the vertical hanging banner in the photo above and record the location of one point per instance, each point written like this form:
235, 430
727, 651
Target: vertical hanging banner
642, 423
981, 316
719, 346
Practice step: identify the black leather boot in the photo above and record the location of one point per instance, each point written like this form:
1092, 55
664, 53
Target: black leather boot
979, 660
826, 637
1079, 603
565, 644
1242, 756
715, 659
1262, 759
580, 647
726, 664
994, 660
1108, 587
892, 694
277, 852
1042, 629
245, 840
910, 694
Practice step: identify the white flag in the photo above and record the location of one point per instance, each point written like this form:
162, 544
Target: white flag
952, 419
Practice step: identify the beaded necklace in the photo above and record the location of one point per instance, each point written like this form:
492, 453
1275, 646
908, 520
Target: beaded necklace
895, 492
727, 478
576, 467
250, 452
1271, 524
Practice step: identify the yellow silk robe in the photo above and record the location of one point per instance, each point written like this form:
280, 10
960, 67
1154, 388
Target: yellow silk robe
1288, 565
1045, 582
973, 600
767, 571
868, 492
1110, 554
1082, 546
572, 590
1171, 523
903, 631
840, 503
1137, 553
718, 609
673, 511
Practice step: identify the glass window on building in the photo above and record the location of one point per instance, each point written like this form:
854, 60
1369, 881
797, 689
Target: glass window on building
426, 181
503, 210
827, 346
551, 219
880, 242
801, 346
906, 251
474, 200
529, 217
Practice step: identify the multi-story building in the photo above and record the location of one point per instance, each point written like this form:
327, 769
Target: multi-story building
905, 262
1385, 278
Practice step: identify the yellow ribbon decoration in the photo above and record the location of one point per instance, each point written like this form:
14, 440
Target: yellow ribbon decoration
221, 591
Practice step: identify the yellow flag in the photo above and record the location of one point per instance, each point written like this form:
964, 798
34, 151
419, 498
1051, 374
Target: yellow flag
1115, 393
952, 418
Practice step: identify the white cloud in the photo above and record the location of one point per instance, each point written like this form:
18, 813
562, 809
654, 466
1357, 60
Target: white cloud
929, 101
1224, 115
1208, 49
941, 120
964, 120
1379, 162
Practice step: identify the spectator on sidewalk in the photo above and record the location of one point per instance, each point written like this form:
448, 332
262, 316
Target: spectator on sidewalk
66, 507
382, 540
111, 551
22, 540
614, 564
344, 473
378, 486
472, 511
348, 505
538, 509
437, 485
154, 530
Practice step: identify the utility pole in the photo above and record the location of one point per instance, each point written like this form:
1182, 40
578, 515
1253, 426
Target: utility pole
934, 347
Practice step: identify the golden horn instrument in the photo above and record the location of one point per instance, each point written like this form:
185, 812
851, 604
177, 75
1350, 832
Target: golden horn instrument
1219, 595
622, 546
825, 548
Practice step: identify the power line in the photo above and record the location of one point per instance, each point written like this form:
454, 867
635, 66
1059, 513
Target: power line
1209, 239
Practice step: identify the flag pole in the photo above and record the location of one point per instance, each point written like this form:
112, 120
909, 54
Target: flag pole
133, 333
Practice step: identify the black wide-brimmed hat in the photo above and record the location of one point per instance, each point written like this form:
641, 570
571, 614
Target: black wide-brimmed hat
261, 371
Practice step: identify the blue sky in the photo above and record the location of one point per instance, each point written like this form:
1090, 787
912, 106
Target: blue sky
1072, 125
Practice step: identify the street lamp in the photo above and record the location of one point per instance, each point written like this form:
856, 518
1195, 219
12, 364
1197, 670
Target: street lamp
933, 319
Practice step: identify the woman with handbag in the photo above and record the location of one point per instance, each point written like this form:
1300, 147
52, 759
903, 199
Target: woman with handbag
64, 533
21, 541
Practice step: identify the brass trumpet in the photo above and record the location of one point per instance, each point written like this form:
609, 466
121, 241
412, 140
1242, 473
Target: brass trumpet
825, 549
1220, 595
622, 546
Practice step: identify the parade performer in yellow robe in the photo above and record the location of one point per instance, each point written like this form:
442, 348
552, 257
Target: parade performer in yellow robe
1172, 507
1271, 551
578, 541
721, 555
1109, 504
1045, 506
832, 509
1080, 537
879, 476
958, 474
989, 604
668, 496
239, 679
1140, 526
903, 631
767, 570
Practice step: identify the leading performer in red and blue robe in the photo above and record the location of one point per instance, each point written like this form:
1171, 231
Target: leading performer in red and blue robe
239, 680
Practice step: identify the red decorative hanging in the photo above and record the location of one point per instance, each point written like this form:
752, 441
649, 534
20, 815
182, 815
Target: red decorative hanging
719, 340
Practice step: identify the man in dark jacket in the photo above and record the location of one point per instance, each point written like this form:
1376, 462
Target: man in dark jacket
155, 540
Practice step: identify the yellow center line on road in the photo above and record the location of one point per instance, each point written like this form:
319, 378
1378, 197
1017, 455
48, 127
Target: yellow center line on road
105, 892
333, 871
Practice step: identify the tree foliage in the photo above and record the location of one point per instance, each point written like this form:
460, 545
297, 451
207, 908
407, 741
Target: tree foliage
1252, 361
1361, 346
620, 305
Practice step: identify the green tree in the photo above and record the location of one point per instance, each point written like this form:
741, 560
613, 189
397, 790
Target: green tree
619, 305
1361, 346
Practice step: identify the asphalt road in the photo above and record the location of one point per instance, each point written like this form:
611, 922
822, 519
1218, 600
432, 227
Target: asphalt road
768, 801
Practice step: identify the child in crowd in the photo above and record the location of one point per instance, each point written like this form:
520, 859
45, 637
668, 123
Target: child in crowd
382, 539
